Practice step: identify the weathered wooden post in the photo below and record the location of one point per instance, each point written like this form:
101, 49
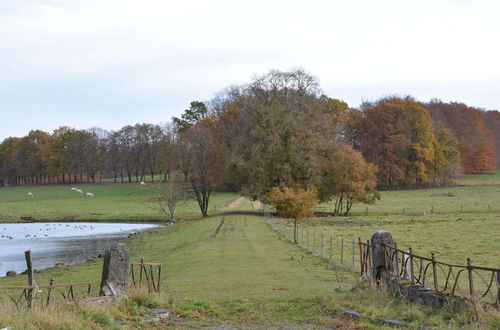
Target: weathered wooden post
115, 270
471, 283
29, 265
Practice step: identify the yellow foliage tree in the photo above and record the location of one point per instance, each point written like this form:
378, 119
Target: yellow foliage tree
293, 203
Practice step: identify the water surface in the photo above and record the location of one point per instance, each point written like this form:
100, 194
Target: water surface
51, 243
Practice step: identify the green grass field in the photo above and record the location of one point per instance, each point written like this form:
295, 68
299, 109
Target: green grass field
111, 202
248, 275
483, 178
461, 199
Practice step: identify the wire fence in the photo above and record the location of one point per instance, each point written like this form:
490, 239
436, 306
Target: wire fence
477, 283
416, 211
341, 252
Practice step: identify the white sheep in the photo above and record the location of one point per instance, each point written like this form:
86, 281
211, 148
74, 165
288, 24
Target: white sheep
30, 194
89, 194
80, 191
74, 189
143, 183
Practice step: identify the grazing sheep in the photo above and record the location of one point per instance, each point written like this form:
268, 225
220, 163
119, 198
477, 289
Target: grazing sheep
80, 191
74, 189
30, 194
143, 183
89, 194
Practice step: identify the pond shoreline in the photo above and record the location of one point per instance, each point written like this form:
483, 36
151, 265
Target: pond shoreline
64, 243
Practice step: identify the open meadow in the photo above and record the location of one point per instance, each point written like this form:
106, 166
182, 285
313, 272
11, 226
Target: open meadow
455, 222
250, 275
117, 202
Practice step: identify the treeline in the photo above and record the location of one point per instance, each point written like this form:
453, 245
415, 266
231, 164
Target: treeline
76, 156
276, 131
413, 142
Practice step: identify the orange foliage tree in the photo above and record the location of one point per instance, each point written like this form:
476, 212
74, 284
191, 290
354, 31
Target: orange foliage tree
292, 202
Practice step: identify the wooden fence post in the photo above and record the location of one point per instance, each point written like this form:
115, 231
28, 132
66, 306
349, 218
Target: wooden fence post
434, 271
29, 264
471, 284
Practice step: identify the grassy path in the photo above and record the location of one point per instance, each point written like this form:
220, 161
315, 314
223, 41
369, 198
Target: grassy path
245, 274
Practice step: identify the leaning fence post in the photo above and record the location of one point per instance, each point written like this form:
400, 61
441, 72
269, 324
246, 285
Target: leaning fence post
29, 264
434, 271
160, 268
49, 291
471, 284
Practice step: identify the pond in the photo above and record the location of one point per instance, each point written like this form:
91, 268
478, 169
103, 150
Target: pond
52, 243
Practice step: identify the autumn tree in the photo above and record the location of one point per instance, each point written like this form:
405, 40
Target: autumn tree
293, 202
399, 137
383, 140
346, 178
476, 143
421, 137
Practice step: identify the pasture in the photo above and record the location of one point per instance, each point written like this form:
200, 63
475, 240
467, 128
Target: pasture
251, 275
247, 275
455, 223
123, 202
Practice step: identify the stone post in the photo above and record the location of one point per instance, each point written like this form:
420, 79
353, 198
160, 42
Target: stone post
378, 254
115, 270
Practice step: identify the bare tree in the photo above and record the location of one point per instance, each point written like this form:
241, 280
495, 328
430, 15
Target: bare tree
167, 196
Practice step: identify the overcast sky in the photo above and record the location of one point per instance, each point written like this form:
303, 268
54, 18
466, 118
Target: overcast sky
110, 63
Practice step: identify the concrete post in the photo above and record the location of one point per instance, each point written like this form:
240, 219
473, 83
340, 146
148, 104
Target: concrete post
115, 270
379, 261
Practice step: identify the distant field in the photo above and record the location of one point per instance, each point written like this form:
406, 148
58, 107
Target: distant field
483, 178
111, 202
465, 199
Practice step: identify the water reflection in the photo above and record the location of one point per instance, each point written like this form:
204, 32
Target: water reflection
52, 243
